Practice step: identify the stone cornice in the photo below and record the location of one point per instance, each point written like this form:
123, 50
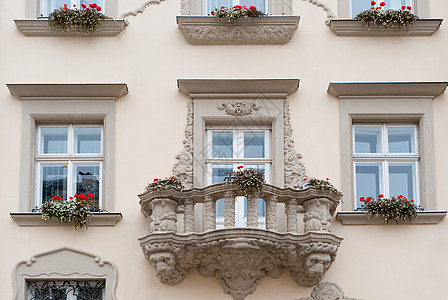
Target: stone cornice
61, 91
412, 89
35, 219
360, 218
268, 30
237, 86
352, 27
39, 27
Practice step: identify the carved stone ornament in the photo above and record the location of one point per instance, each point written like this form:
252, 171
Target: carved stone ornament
183, 168
327, 291
268, 30
240, 257
294, 168
330, 13
238, 108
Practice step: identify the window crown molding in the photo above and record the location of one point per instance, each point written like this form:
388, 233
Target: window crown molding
62, 91
428, 89
237, 86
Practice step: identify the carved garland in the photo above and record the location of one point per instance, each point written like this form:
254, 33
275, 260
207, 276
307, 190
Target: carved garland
238, 108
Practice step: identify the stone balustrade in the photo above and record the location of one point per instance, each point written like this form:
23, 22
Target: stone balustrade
240, 257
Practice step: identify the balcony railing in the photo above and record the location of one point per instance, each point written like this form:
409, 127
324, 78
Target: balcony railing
240, 257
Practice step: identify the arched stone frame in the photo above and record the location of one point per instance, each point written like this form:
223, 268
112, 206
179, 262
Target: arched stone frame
64, 263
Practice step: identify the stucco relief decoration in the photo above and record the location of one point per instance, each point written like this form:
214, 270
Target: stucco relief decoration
140, 9
238, 108
238, 34
327, 291
183, 168
317, 216
294, 168
330, 14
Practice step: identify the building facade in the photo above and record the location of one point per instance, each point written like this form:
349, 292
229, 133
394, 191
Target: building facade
165, 89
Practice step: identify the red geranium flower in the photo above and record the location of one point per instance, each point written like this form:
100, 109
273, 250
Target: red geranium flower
222, 7
380, 196
90, 195
305, 179
412, 201
212, 12
327, 179
372, 3
56, 197
382, 4
83, 5
409, 8
378, 8
71, 198
60, 198
368, 199
239, 167
253, 8
98, 8
65, 7
403, 7
362, 199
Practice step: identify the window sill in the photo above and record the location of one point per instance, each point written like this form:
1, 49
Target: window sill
352, 27
39, 27
35, 219
268, 30
360, 218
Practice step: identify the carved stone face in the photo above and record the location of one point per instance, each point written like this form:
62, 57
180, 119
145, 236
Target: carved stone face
163, 263
317, 263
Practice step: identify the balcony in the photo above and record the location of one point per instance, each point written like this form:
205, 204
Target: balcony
240, 257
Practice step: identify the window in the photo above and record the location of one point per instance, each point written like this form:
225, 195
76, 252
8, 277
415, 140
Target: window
65, 274
228, 149
66, 290
47, 6
387, 140
69, 161
209, 5
358, 6
350, 8
385, 161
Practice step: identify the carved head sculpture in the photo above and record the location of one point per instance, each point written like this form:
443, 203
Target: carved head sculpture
316, 264
166, 268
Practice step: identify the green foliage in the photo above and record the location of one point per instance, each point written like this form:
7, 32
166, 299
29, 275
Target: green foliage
76, 210
162, 184
86, 19
388, 18
321, 185
390, 209
236, 12
249, 181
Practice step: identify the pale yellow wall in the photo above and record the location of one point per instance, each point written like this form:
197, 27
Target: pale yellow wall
373, 263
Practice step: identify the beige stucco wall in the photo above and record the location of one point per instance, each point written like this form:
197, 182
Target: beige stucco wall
373, 263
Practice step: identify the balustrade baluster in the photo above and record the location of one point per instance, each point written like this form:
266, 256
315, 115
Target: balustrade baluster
271, 212
229, 209
210, 214
252, 211
291, 215
188, 215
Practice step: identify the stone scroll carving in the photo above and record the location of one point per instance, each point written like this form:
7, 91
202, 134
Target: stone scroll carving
294, 168
139, 10
163, 217
238, 108
330, 13
327, 291
317, 216
183, 168
241, 257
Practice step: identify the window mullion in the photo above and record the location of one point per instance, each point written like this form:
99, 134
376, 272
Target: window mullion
386, 189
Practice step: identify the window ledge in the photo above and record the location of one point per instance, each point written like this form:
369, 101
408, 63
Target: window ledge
352, 27
268, 30
35, 219
360, 218
39, 27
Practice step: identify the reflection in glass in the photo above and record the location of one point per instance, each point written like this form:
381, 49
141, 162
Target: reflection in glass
219, 172
88, 180
53, 181
254, 144
401, 139
87, 140
402, 179
54, 140
368, 176
368, 139
222, 144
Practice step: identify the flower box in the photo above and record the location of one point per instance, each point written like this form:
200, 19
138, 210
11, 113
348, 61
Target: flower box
352, 27
268, 30
39, 27
35, 219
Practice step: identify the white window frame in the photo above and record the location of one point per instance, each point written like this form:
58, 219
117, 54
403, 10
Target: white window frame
34, 8
419, 8
44, 6
206, 8
70, 158
408, 3
236, 160
384, 158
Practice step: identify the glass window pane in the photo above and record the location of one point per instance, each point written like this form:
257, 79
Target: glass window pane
97, 2
219, 172
401, 139
51, 5
53, 181
359, 5
222, 144
368, 180
259, 4
212, 4
254, 144
54, 140
87, 140
368, 139
402, 179
88, 180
